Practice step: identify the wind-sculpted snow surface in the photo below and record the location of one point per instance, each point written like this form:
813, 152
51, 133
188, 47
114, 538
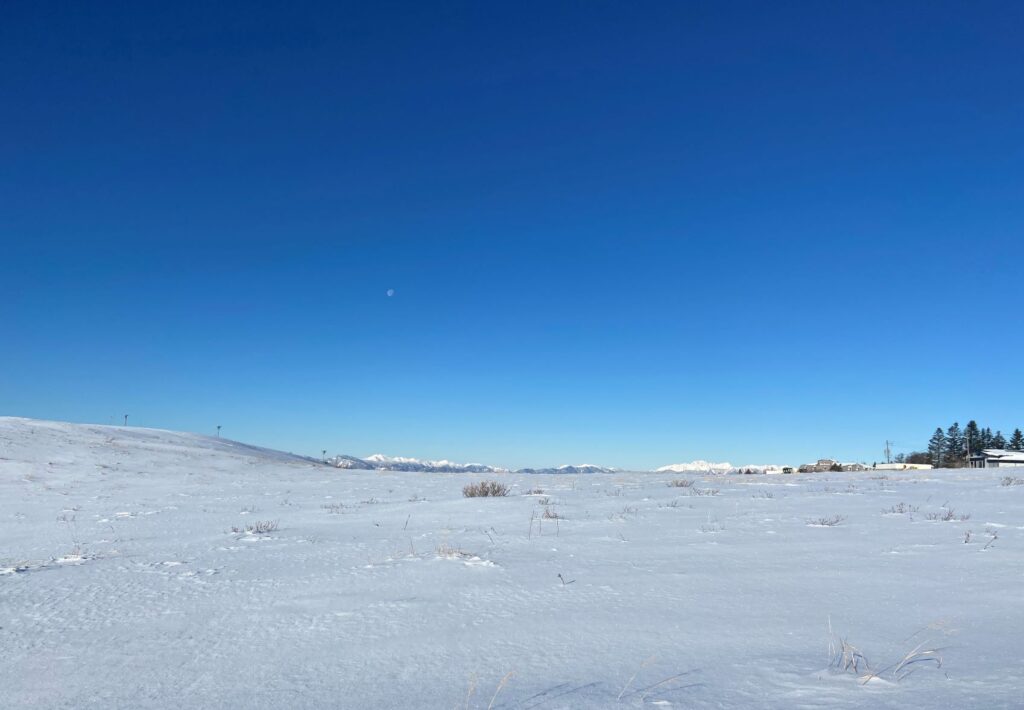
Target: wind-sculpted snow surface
149, 569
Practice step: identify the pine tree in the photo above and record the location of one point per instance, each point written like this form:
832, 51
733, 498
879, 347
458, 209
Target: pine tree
936, 447
954, 452
1017, 441
986, 439
973, 437
998, 441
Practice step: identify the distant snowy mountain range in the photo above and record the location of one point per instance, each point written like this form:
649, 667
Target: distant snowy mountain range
711, 467
698, 466
580, 468
380, 462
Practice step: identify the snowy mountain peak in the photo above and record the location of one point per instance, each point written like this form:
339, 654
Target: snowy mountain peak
698, 465
381, 462
585, 468
581, 468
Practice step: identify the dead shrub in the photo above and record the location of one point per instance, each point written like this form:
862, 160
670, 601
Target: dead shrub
485, 489
830, 521
948, 515
680, 483
900, 509
260, 527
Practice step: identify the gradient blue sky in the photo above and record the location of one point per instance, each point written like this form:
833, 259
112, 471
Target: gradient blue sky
628, 234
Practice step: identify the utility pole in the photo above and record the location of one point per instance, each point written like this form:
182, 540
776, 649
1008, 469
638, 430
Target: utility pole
324, 452
218, 431
126, 420
888, 451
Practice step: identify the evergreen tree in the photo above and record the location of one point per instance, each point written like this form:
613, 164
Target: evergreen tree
936, 447
1017, 441
973, 437
954, 452
998, 441
986, 439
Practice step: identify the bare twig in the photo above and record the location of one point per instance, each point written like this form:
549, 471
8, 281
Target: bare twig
633, 677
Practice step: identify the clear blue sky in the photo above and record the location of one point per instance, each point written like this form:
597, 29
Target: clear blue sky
627, 234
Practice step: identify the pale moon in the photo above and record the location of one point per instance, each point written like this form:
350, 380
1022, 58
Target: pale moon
391, 292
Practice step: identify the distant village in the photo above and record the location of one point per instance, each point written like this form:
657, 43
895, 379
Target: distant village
971, 447
986, 458
823, 465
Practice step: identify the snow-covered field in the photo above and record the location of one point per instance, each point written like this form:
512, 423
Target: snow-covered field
123, 584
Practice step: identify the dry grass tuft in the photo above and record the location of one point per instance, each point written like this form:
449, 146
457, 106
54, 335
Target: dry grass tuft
680, 483
844, 657
847, 658
450, 552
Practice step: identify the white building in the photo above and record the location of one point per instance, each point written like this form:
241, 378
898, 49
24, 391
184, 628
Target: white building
903, 466
997, 458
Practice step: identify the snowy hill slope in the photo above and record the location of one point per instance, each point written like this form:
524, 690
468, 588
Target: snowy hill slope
148, 569
63, 442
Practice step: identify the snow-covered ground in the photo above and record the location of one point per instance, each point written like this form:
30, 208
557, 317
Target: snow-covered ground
123, 584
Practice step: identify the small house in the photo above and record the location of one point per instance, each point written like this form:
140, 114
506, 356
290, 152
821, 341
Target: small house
821, 465
996, 458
